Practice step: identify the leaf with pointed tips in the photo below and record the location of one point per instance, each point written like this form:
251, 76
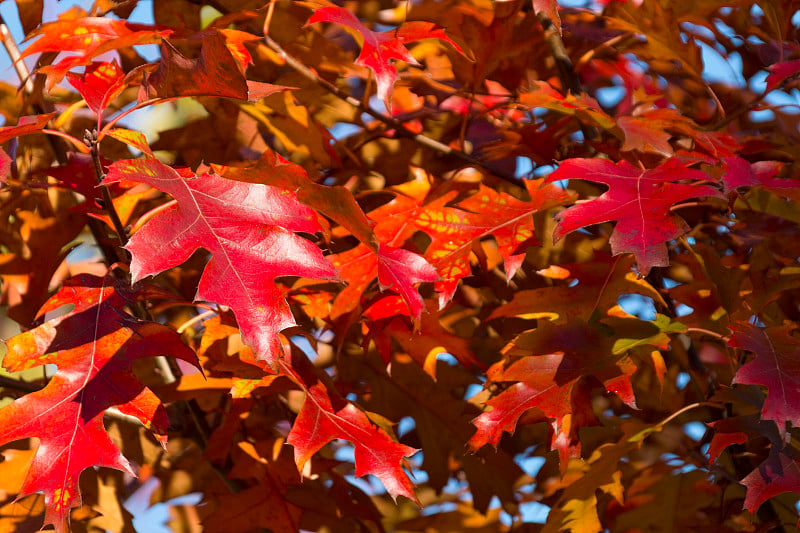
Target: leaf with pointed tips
247, 228
780, 72
397, 269
776, 367
548, 369
740, 173
99, 84
94, 346
379, 48
778, 474
508, 220
326, 416
639, 200
90, 37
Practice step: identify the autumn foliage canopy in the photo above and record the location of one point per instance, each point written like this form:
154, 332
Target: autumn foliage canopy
456, 265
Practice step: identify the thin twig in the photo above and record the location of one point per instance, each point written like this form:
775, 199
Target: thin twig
566, 71
398, 127
197, 318
13, 52
18, 384
90, 138
680, 411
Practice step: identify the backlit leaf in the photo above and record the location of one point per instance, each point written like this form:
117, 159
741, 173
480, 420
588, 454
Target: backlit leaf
638, 199
94, 346
247, 229
378, 49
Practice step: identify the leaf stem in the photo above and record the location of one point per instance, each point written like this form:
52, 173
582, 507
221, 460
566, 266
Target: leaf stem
680, 411
111, 123
81, 147
197, 318
708, 332
399, 127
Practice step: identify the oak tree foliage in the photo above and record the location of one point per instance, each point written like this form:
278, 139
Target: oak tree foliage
455, 265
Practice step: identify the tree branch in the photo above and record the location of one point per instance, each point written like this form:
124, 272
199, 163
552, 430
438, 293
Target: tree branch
566, 71
400, 129
90, 138
17, 384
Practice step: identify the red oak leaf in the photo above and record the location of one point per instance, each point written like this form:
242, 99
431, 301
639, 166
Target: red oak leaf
738, 430
454, 230
25, 126
99, 84
135, 139
83, 34
399, 270
336, 202
217, 72
645, 135
396, 269
776, 367
94, 346
549, 369
778, 474
779, 72
326, 416
581, 106
379, 48
639, 200
90, 36
741, 173
247, 228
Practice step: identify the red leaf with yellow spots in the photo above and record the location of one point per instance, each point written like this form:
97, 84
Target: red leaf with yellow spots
89, 37
94, 346
99, 84
508, 220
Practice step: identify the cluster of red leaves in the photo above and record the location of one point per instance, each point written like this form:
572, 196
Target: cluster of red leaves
296, 308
